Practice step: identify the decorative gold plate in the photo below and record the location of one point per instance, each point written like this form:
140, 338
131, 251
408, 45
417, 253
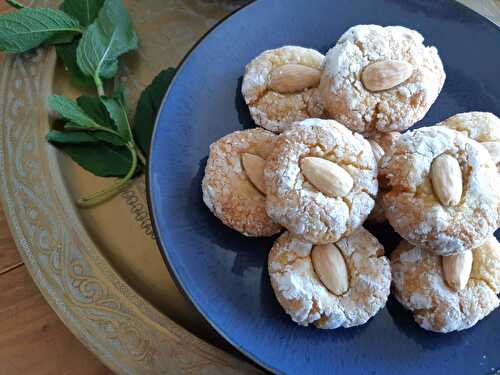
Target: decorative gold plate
99, 268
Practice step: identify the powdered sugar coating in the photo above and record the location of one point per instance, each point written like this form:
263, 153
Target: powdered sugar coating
304, 297
346, 99
411, 205
419, 286
228, 192
276, 111
296, 204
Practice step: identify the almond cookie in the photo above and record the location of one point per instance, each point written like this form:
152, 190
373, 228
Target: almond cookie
380, 78
334, 285
447, 293
280, 87
321, 180
483, 127
381, 143
233, 185
441, 190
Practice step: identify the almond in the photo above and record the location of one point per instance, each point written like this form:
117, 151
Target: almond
326, 176
446, 177
293, 78
378, 151
254, 168
330, 267
494, 150
384, 75
457, 269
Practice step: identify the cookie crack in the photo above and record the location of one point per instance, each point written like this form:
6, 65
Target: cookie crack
288, 265
486, 282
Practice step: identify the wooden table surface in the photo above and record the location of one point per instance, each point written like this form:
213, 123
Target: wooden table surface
32, 338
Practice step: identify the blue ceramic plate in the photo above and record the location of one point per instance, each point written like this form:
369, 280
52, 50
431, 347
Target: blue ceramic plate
224, 273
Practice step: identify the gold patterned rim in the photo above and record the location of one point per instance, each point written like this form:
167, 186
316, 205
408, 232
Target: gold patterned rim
104, 312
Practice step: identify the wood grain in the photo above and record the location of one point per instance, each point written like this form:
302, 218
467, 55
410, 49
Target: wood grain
33, 340
9, 256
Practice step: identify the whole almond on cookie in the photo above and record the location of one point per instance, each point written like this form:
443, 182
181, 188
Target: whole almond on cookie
457, 269
328, 177
446, 178
254, 168
330, 267
384, 75
291, 78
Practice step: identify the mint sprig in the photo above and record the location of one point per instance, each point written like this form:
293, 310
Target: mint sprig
97, 135
94, 130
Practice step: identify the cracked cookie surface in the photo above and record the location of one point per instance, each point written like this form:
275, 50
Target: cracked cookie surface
227, 190
297, 204
303, 296
395, 109
412, 206
276, 110
419, 285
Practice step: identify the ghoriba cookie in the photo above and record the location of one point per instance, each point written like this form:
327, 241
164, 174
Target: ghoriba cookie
321, 180
447, 293
441, 190
380, 78
483, 127
333, 285
233, 185
280, 87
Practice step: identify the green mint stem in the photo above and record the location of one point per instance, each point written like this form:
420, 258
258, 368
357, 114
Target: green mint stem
101, 196
99, 85
141, 156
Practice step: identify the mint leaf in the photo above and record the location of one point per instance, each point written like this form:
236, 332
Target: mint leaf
70, 110
84, 11
95, 109
107, 38
28, 28
101, 159
15, 4
147, 108
118, 113
56, 136
67, 53
109, 138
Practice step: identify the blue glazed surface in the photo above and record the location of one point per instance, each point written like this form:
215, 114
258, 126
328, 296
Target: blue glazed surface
222, 272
